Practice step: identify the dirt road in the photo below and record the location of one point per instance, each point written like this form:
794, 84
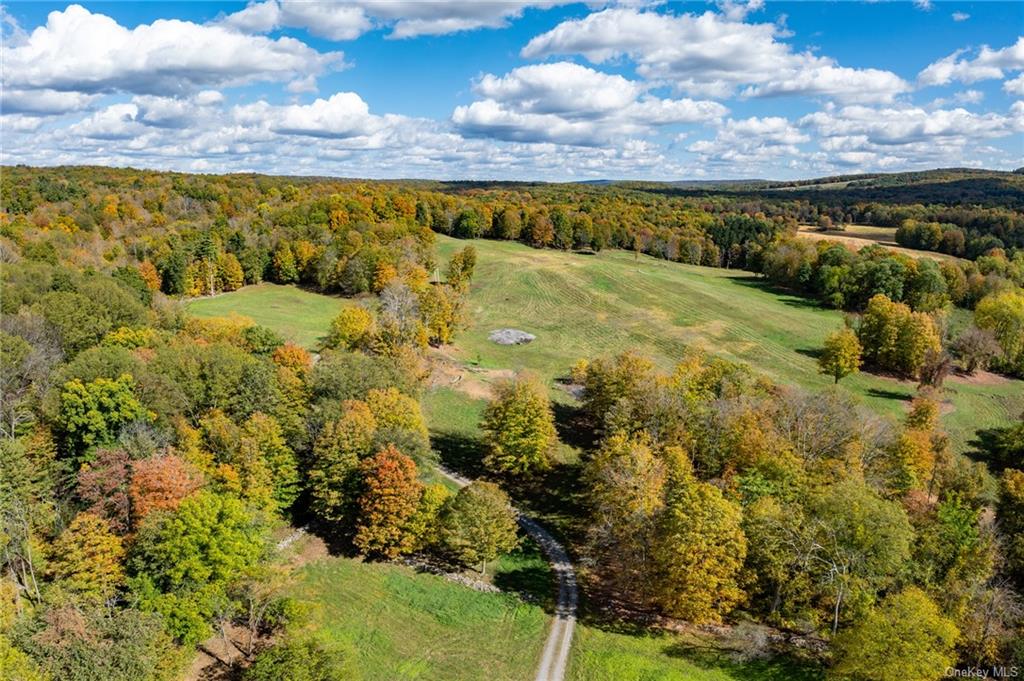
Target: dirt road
555, 657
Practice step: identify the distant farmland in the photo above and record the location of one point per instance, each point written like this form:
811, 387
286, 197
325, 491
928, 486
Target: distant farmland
860, 236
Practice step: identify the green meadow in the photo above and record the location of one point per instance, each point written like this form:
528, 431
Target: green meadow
299, 316
583, 306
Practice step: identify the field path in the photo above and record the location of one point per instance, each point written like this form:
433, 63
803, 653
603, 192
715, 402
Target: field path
556, 649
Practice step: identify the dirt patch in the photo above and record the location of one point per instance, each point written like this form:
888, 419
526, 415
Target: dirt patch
217, 656
979, 378
307, 550
449, 371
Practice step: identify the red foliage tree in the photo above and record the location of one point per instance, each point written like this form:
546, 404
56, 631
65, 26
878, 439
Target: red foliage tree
103, 485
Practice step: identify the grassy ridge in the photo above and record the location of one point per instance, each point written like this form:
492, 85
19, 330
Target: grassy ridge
593, 305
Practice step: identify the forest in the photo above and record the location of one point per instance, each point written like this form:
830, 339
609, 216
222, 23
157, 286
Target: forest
152, 461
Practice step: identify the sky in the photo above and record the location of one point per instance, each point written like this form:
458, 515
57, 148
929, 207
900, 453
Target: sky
515, 89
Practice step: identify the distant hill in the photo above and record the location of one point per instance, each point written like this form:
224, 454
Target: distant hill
945, 186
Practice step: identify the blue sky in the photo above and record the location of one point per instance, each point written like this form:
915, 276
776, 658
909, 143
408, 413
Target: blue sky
514, 89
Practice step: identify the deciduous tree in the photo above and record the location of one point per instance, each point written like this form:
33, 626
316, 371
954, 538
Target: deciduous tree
905, 639
519, 427
390, 496
479, 524
87, 557
841, 355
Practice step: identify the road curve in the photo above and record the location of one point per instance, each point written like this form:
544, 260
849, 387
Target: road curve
555, 657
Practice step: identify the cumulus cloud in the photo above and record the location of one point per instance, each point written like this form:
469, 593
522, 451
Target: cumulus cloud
1015, 86
343, 115
751, 141
572, 104
406, 18
987, 64
79, 51
350, 141
960, 16
907, 136
713, 55
44, 102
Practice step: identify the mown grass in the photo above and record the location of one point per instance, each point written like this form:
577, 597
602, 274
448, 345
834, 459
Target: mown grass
399, 624
583, 306
600, 655
299, 316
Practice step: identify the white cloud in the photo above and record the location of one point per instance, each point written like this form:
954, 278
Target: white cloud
406, 18
908, 136
572, 104
712, 55
561, 87
115, 122
987, 64
924, 5
343, 115
960, 16
44, 102
737, 10
1015, 86
79, 51
749, 142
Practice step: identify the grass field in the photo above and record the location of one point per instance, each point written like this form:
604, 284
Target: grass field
299, 316
398, 624
402, 625
599, 655
594, 305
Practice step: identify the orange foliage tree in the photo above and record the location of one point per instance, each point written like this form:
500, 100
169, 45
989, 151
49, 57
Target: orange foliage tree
391, 494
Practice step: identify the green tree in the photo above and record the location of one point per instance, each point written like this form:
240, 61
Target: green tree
1010, 513
93, 413
300, 661
261, 439
841, 355
857, 542
16, 665
74, 643
905, 639
78, 320
519, 427
210, 538
479, 524
1003, 315
333, 474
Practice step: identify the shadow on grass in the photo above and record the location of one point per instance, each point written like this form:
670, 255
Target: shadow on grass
571, 427
813, 353
525, 571
554, 497
890, 394
784, 295
459, 452
775, 668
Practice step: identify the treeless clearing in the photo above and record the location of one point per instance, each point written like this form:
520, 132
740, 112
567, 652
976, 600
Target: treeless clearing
860, 236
